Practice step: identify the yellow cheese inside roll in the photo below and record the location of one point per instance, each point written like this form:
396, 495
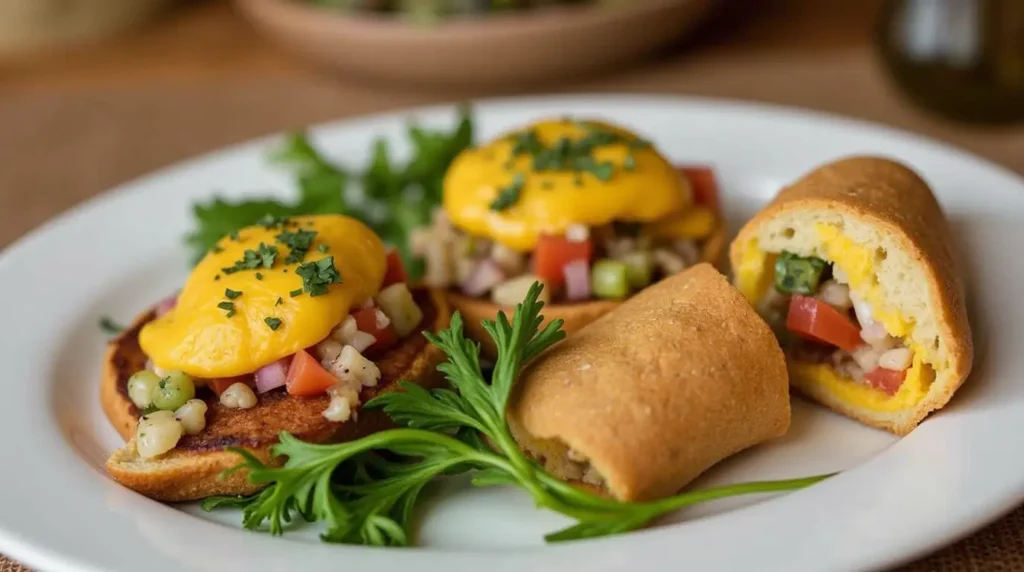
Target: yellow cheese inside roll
887, 246
646, 398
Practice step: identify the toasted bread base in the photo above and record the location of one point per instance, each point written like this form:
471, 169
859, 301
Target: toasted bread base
192, 470
574, 316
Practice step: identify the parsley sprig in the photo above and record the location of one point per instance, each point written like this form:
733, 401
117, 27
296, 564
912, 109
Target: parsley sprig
362, 497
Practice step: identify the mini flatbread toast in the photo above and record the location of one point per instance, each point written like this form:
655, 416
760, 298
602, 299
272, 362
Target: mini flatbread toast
192, 469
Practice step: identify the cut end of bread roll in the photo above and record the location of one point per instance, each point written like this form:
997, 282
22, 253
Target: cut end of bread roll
880, 227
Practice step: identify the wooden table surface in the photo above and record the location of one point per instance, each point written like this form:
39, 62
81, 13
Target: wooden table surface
78, 121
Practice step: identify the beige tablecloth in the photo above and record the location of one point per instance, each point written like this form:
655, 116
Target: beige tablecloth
58, 148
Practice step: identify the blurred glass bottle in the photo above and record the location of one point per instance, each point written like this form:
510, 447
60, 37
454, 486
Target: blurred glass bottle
961, 58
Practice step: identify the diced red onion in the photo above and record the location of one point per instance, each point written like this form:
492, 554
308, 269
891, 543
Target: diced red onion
272, 376
166, 305
485, 276
577, 280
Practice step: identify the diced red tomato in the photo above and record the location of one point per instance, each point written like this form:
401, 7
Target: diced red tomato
705, 186
886, 380
812, 318
395, 272
218, 385
553, 253
387, 337
306, 377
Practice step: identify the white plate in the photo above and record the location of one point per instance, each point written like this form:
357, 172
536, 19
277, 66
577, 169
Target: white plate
894, 500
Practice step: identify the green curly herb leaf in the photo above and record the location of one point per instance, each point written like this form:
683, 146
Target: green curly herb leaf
366, 491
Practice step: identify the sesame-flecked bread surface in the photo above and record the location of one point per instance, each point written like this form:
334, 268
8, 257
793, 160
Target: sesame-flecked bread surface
888, 209
677, 378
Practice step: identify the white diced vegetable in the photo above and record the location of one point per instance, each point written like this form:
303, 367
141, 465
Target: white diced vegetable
512, 263
360, 341
835, 294
669, 262
897, 359
396, 301
157, 433
353, 366
866, 357
512, 292
238, 396
192, 416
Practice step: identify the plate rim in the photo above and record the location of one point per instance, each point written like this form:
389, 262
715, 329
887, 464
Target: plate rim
21, 549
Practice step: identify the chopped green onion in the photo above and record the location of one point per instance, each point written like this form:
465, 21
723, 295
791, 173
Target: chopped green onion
795, 274
608, 279
639, 268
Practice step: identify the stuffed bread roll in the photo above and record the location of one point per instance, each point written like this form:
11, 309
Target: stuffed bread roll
646, 398
853, 267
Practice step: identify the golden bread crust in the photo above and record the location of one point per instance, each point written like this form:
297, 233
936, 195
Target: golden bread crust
894, 200
573, 315
679, 377
190, 471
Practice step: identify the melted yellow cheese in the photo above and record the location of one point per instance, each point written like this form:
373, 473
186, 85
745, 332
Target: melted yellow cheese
858, 264
200, 339
914, 388
752, 273
550, 201
694, 223
755, 273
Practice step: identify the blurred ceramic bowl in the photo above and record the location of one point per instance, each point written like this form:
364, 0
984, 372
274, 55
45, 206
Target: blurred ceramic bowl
532, 46
27, 25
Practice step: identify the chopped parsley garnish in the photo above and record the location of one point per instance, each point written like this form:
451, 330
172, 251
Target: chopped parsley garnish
317, 276
229, 307
323, 248
216, 249
109, 326
295, 293
233, 235
279, 301
259, 276
252, 259
407, 186
271, 222
526, 143
273, 323
231, 294
299, 242
509, 195
567, 154
216, 276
